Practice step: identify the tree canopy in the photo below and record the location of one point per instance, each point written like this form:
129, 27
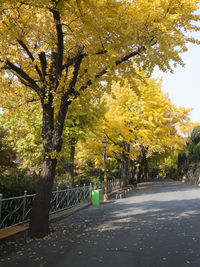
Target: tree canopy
139, 117
53, 51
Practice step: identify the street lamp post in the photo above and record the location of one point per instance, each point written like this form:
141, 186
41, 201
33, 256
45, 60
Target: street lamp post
105, 196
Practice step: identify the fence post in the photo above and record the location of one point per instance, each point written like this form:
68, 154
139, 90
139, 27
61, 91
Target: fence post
57, 188
68, 193
90, 191
1, 197
24, 205
102, 185
77, 193
84, 192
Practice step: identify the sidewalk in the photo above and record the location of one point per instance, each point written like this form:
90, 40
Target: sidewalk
156, 225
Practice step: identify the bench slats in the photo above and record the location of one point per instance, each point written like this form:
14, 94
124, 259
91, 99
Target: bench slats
12, 231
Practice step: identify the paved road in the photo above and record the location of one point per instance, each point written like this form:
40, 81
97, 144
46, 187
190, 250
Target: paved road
157, 225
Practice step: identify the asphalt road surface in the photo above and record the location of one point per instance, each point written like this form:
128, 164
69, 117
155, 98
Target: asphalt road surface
158, 224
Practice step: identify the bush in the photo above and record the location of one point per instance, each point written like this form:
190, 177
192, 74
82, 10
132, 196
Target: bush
15, 183
195, 135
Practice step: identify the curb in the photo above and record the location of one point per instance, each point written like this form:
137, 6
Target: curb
65, 213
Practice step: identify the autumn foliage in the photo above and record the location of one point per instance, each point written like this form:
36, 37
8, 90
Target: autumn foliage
53, 52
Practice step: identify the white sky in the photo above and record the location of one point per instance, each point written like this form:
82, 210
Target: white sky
183, 86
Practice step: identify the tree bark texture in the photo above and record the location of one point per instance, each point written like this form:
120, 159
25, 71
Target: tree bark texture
39, 224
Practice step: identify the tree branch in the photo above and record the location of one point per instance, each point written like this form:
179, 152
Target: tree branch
65, 102
71, 61
71, 88
60, 45
117, 62
23, 45
127, 57
19, 105
22, 75
43, 63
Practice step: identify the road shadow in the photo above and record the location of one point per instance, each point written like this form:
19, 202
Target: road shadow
141, 229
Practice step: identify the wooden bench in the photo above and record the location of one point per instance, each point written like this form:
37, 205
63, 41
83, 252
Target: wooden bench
13, 230
119, 194
126, 189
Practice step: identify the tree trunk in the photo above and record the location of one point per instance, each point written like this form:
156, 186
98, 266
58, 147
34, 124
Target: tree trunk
39, 224
71, 166
125, 164
146, 169
64, 164
133, 168
123, 173
138, 173
144, 164
120, 171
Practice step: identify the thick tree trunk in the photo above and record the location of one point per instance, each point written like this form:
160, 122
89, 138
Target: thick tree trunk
39, 224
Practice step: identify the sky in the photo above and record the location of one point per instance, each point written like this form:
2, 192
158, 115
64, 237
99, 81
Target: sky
183, 86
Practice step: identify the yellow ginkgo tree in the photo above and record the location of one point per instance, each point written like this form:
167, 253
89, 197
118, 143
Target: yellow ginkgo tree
53, 50
140, 121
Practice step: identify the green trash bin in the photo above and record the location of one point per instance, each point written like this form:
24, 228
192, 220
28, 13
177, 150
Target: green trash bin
97, 196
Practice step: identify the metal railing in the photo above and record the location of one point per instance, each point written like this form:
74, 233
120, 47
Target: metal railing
17, 210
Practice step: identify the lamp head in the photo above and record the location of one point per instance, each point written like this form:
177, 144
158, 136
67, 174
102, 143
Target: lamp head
104, 142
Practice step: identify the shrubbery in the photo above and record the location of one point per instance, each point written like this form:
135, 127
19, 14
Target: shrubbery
16, 182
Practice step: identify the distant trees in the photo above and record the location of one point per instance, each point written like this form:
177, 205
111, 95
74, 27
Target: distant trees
140, 123
189, 157
7, 154
193, 147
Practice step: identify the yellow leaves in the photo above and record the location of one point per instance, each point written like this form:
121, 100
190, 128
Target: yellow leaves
53, 155
146, 117
98, 25
107, 31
